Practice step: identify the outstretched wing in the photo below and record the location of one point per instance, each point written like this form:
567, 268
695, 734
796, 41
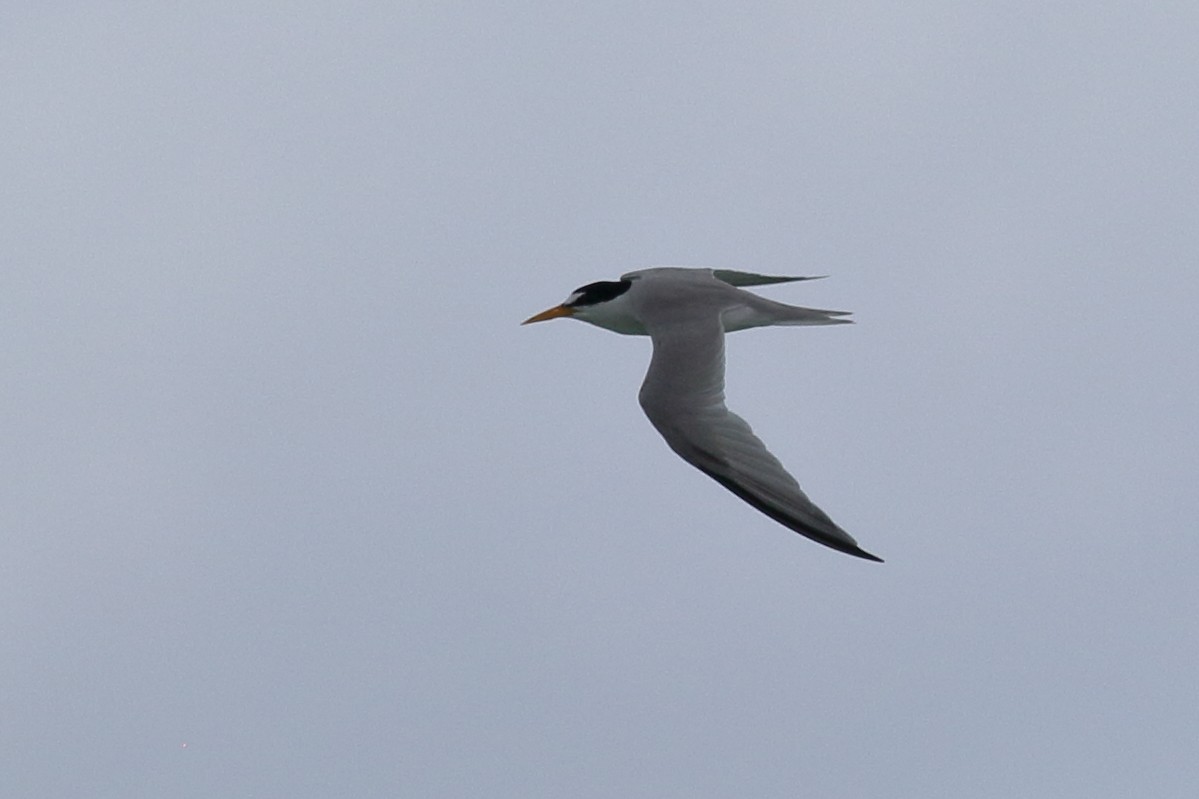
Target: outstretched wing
683, 396
735, 278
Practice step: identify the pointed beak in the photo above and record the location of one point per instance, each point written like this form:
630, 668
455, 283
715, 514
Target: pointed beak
552, 313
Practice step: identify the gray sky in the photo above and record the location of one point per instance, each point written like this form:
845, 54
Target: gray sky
293, 507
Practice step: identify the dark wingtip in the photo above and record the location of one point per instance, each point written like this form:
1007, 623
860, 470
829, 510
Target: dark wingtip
796, 278
737, 278
788, 521
864, 555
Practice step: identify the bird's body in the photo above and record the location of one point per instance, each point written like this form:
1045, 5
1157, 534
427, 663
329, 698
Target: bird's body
686, 313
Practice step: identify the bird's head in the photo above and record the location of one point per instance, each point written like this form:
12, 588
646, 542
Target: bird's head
603, 304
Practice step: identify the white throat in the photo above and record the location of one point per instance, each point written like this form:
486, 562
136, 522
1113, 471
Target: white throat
615, 314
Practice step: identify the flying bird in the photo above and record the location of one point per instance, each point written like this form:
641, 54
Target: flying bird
686, 313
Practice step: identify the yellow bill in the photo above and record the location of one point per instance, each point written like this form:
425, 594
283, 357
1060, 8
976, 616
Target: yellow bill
552, 313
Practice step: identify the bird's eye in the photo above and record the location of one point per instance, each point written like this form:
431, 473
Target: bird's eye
594, 293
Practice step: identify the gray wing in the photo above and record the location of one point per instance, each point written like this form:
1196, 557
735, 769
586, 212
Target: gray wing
735, 278
683, 396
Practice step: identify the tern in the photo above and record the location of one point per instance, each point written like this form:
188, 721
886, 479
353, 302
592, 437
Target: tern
686, 312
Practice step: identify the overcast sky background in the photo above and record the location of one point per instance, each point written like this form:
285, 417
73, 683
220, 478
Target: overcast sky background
293, 507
